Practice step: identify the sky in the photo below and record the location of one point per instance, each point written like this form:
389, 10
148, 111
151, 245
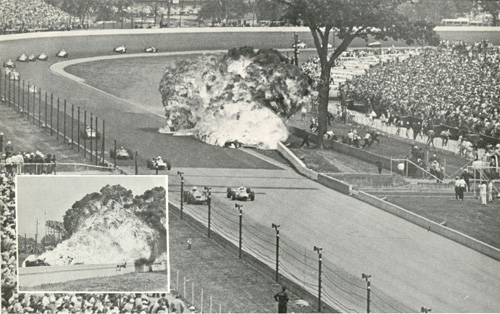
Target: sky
48, 197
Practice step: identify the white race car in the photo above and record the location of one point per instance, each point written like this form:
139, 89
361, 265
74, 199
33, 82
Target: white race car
13, 75
375, 44
121, 153
9, 64
151, 49
120, 49
22, 58
89, 133
300, 45
32, 89
159, 163
195, 196
31, 57
62, 54
241, 194
43, 57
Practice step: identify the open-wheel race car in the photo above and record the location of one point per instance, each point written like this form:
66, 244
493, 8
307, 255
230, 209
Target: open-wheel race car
300, 45
151, 49
31, 58
195, 196
89, 133
62, 53
158, 163
120, 49
12, 74
43, 57
22, 58
241, 194
121, 153
9, 64
235, 144
375, 44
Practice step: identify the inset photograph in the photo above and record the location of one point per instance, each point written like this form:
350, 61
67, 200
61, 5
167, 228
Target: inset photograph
92, 233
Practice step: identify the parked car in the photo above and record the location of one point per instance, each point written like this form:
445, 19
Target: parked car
195, 196
241, 194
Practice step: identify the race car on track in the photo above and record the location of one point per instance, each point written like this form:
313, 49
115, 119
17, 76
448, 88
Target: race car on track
62, 54
9, 64
22, 58
235, 144
32, 89
89, 133
300, 45
375, 44
151, 49
241, 194
120, 49
159, 163
195, 196
13, 74
121, 153
31, 57
43, 57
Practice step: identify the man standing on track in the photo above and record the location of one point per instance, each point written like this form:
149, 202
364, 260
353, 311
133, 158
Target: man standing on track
282, 298
461, 188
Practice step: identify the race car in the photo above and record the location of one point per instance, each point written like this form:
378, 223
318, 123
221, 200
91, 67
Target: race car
158, 162
62, 54
195, 196
43, 57
32, 89
241, 194
9, 64
31, 57
89, 133
120, 49
22, 58
151, 49
235, 144
121, 153
300, 45
13, 75
375, 44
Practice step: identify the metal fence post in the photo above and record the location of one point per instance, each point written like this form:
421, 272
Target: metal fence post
18, 94
72, 122
103, 137
57, 119
14, 101
28, 105
9, 90
209, 203
85, 133
96, 141
182, 192
91, 140
136, 166
78, 130
45, 110
276, 227
64, 122
238, 206
51, 107
39, 108
320, 254
22, 109
114, 154
367, 278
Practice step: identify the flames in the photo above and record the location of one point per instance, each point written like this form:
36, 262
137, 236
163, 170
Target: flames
244, 96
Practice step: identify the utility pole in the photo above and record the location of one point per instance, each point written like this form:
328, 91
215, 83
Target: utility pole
239, 206
296, 49
368, 290
181, 174
320, 255
209, 203
36, 237
276, 228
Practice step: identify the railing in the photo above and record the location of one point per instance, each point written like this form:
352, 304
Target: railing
54, 168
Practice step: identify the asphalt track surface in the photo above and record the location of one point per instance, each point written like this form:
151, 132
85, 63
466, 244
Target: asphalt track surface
407, 263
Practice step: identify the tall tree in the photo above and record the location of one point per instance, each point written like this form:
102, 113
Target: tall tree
349, 19
490, 6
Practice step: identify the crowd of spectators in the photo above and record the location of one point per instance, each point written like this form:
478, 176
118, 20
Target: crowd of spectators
456, 84
27, 162
94, 303
29, 15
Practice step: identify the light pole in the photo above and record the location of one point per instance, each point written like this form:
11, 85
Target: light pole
276, 228
209, 203
367, 278
320, 254
181, 174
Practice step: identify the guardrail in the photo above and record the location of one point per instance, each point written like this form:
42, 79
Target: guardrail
54, 168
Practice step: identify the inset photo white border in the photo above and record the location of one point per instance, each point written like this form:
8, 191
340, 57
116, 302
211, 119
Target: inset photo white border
93, 234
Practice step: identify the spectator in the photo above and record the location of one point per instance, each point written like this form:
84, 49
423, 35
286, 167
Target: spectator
378, 163
282, 298
461, 188
457, 188
466, 176
490, 190
482, 193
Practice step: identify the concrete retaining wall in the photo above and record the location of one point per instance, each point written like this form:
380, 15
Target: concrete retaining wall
365, 179
335, 184
446, 232
297, 163
34, 276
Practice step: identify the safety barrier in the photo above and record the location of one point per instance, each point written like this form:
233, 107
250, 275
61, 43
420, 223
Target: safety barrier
35, 276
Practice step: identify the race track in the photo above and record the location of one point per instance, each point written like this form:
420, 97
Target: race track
407, 263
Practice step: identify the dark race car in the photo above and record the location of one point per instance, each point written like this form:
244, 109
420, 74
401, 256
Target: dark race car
195, 196
43, 57
151, 49
22, 58
120, 49
241, 194
158, 163
121, 153
62, 54
9, 64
